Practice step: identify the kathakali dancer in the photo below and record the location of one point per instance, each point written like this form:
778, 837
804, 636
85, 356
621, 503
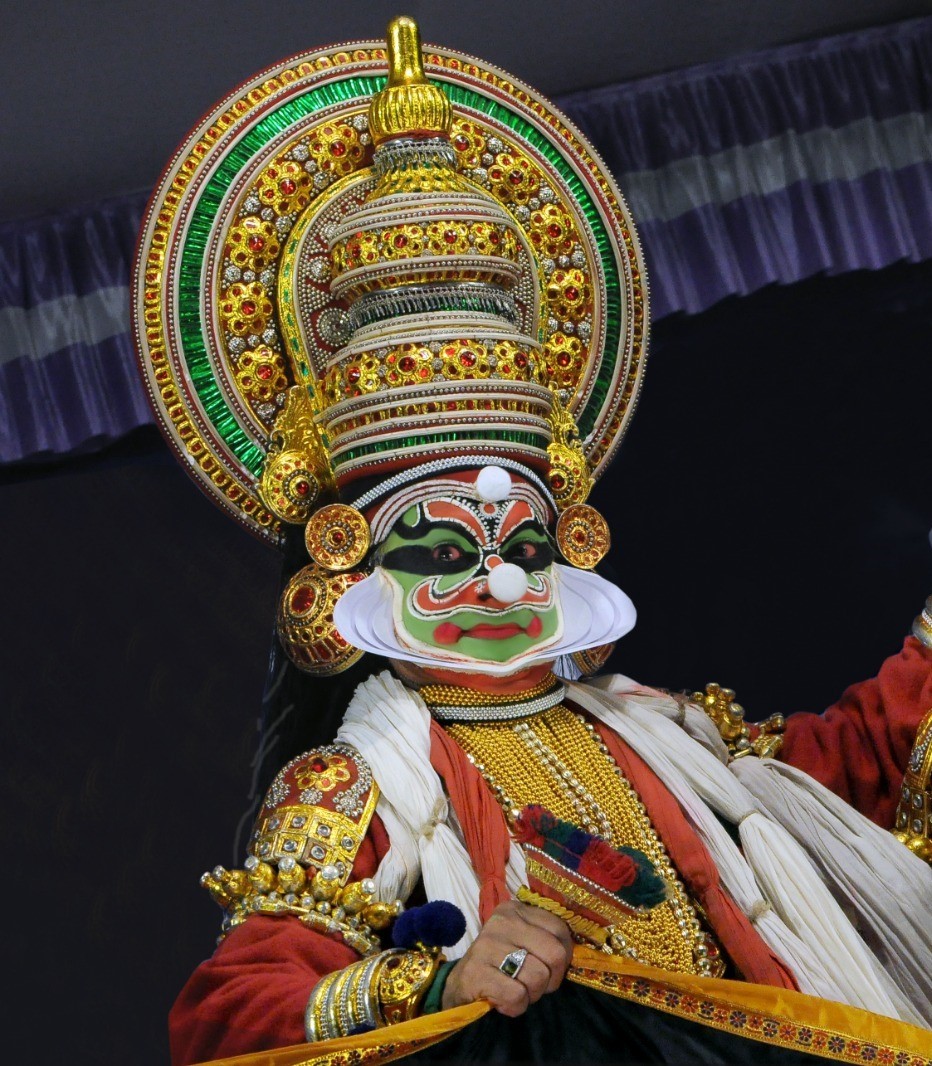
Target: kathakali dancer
408, 318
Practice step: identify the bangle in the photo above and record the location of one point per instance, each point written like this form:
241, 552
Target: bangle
381, 990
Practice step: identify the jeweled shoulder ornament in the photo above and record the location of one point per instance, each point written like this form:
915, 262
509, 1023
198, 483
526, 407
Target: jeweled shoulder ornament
374, 257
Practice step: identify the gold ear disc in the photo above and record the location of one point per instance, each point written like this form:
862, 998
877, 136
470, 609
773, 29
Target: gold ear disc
305, 621
583, 536
337, 537
289, 489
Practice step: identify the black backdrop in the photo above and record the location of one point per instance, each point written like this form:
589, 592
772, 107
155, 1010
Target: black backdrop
770, 509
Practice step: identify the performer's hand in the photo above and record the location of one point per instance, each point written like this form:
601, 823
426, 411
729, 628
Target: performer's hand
513, 925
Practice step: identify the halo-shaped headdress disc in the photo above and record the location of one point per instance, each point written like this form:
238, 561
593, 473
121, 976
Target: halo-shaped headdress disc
325, 293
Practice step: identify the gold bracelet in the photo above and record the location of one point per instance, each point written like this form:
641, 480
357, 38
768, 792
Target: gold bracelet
381, 990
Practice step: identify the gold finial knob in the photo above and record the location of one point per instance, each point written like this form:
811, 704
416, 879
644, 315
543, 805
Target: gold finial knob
408, 106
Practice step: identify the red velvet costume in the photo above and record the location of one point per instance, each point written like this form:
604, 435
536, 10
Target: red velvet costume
252, 993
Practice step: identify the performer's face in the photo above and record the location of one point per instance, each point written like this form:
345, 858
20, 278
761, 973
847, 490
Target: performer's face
438, 557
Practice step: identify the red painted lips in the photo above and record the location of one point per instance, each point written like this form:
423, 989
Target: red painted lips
449, 633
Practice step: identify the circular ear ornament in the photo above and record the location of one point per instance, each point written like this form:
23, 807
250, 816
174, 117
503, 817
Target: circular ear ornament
592, 660
337, 537
290, 489
305, 621
583, 536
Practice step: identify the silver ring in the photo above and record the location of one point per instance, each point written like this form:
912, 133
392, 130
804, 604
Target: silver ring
511, 964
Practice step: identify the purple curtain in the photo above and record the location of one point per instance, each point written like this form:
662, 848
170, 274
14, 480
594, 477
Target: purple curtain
772, 167
775, 166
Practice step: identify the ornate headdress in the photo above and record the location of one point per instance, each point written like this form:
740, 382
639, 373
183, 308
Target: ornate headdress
346, 286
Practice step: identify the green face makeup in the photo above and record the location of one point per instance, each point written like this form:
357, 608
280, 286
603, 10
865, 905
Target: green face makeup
438, 557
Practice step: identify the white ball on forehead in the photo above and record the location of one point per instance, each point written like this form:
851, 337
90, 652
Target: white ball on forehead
493, 484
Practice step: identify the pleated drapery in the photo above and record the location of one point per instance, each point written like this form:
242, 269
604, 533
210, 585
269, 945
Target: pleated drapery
773, 167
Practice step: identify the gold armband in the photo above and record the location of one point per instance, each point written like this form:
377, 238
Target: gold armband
914, 813
922, 626
370, 994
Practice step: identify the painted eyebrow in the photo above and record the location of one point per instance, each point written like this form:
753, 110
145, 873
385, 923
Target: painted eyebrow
412, 533
527, 526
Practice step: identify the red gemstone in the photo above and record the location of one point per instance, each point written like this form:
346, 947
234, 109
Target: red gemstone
467, 358
520, 360
557, 482
580, 536
264, 371
249, 308
318, 765
287, 186
450, 236
337, 536
256, 243
302, 488
554, 231
572, 293
461, 143
564, 359
407, 363
303, 599
516, 177
353, 374
494, 237
400, 240
338, 148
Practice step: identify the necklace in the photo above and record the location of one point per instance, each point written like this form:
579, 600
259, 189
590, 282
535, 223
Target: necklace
557, 759
452, 703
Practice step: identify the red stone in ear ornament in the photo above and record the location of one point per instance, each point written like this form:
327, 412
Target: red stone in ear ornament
337, 537
583, 536
305, 621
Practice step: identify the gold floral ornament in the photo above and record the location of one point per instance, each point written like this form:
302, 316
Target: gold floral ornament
323, 773
337, 537
570, 474
583, 536
297, 471
305, 621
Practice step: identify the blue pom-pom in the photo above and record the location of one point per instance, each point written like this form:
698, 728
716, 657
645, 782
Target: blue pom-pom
437, 924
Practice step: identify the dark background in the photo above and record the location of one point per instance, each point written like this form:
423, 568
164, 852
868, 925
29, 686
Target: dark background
770, 507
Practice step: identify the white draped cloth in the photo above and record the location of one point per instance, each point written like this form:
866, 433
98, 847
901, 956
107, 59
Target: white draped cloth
845, 906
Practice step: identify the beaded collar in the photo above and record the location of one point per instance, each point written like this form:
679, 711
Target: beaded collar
452, 703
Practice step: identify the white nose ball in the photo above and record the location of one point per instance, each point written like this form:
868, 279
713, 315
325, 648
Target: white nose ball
507, 582
493, 484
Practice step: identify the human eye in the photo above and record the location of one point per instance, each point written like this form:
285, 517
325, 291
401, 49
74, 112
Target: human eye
447, 553
529, 554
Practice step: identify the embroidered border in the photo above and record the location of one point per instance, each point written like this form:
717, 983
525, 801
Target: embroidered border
753, 1024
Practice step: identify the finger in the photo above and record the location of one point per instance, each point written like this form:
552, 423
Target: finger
549, 951
542, 919
535, 976
506, 994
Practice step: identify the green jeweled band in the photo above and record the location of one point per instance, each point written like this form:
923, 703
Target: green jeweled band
285, 117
